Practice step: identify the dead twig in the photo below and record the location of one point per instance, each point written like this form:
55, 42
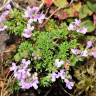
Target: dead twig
50, 17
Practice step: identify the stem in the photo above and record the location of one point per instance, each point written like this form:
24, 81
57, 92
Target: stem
46, 94
41, 5
65, 90
50, 16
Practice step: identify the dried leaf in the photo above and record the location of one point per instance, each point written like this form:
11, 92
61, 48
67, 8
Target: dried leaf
48, 2
94, 19
61, 14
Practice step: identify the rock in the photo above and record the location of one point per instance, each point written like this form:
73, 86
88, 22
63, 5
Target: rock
3, 37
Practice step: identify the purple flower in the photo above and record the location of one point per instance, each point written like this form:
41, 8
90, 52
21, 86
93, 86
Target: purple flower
77, 22
29, 82
84, 53
8, 6
14, 67
40, 18
26, 62
61, 74
82, 30
3, 28
89, 44
25, 85
28, 32
58, 63
69, 84
23, 75
5, 13
34, 83
75, 51
54, 75
31, 12
75, 26
71, 27
3, 16
2, 19
34, 15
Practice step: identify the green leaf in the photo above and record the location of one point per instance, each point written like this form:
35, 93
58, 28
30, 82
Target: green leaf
60, 3
91, 6
85, 11
17, 57
89, 25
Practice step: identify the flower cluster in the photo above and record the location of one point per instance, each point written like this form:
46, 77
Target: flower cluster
23, 75
4, 15
58, 63
85, 52
33, 15
62, 73
75, 26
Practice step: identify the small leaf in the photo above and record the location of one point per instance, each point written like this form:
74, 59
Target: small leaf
89, 25
91, 6
73, 10
60, 3
76, 6
85, 11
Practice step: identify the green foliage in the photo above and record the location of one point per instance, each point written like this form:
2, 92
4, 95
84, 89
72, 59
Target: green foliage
51, 25
25, 49
45, 81
63, 50
16, 22
44, 47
